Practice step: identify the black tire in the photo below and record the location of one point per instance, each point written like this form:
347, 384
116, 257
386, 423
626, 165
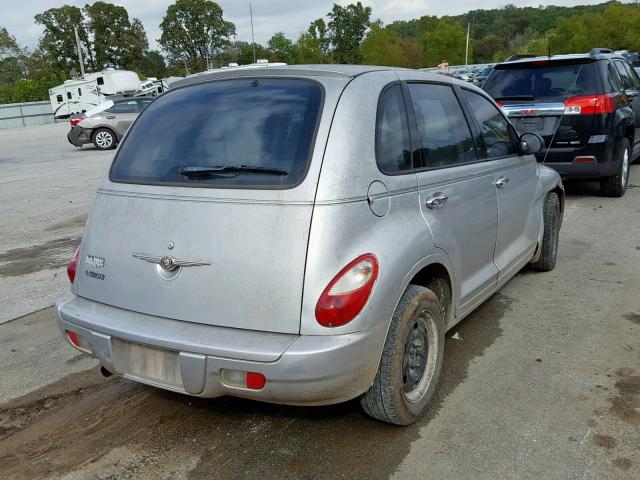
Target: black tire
549, 248
391, 398
104, 139
616, 185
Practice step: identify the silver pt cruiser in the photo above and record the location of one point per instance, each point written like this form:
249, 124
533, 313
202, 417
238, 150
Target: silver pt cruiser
306, 235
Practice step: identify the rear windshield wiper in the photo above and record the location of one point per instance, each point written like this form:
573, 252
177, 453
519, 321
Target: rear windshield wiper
190, 172
515, 97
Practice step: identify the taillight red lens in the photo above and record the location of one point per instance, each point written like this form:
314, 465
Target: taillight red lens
73, 338
76, 120
348, 292
590, 105
73, 265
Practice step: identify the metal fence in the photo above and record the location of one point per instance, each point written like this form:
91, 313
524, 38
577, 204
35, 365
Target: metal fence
14, 115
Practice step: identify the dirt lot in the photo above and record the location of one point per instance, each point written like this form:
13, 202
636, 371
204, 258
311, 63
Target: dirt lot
544, 381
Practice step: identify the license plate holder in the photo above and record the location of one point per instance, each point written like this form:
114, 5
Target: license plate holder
143, 362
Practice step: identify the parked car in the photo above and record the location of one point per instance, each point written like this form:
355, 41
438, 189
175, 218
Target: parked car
306, 235
105, 125
482, 75
586, 106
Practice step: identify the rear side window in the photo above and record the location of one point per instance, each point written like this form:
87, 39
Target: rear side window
629, 79
393, 150
130, 106
548, 82
445, 138
496, 135
240, 133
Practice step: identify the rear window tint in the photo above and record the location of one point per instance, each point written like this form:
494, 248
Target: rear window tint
241, 133
548, 82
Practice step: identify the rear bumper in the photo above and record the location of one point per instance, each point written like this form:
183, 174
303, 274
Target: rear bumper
79, 136
300, 369
566, 161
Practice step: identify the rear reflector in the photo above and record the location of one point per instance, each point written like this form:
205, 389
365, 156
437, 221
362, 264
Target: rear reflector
348, 292
73, 338
242, 379
590, 105
584, 160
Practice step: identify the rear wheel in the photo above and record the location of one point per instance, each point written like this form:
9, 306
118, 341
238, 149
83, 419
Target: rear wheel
616, 185
411, 360
104, 139
551, 235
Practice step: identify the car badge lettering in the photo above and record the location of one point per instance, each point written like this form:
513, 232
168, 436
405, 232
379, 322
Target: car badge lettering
528, 111
94, 262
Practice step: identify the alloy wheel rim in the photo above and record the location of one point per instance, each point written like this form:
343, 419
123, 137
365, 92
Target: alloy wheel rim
625, 168
104, 139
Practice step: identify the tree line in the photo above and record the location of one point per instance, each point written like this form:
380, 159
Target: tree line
191, 30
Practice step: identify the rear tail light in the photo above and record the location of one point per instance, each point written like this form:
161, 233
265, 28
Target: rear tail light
590, 105
73, 338
73, 265
242, 379
348, 292
76, 120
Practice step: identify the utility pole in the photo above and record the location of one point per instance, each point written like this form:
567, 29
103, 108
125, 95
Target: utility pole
253, 41
466, 53
75, 30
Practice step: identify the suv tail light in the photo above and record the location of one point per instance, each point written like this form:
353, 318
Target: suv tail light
348, 292
73, 265
590, 105
76, 120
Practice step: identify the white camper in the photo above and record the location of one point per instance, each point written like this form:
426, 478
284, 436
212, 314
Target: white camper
78, 96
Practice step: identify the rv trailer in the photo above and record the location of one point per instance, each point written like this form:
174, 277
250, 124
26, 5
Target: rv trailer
79, 95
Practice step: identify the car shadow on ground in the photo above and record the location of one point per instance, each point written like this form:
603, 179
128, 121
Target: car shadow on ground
225, 437
583, 188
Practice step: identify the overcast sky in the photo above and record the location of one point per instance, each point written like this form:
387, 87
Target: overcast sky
270, 16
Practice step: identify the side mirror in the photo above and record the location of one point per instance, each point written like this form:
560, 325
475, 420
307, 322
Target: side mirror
531, 143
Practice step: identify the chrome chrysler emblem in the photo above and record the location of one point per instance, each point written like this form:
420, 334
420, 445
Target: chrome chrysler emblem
167, 262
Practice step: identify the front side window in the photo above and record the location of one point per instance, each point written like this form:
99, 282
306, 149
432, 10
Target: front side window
393, 149
495, 134
445, 137
69, 95
241, 133
624, 74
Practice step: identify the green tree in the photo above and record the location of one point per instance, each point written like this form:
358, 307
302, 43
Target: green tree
383, 47
309, 49
281, 48
58, 40
486, 48
117, 41
445, 42
190, 25
154, 64
10, 64
346, 29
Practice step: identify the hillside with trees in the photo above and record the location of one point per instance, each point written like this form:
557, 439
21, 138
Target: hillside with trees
347, 34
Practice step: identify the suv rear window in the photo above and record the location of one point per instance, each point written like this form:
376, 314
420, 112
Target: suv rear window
547, 82
239, 133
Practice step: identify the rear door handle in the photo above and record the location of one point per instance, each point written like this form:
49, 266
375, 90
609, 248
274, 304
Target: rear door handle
436, 200
501, 182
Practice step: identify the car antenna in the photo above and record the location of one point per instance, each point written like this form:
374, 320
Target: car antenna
548, 46
571, 90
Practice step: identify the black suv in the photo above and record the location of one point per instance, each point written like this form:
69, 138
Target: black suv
585, 106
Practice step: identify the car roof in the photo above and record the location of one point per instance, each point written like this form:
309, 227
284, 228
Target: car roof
323, 70
589, 57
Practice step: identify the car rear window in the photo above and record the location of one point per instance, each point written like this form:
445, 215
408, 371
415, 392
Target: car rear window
241, 133
547, 82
